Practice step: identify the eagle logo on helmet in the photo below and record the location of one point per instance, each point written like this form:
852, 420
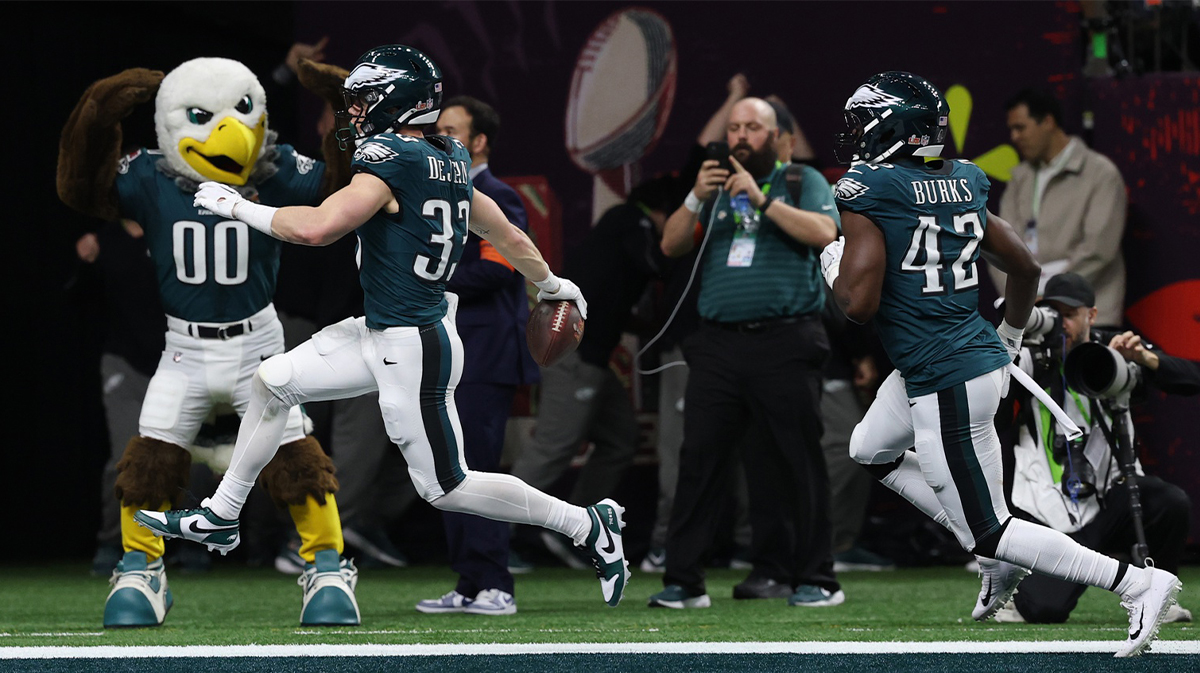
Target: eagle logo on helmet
371, 74
868, 95
848, 189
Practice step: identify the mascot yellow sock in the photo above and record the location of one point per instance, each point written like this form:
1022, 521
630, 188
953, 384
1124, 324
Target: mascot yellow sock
319, 526
135, 537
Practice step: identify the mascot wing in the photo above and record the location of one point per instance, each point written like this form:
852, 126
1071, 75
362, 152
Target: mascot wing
90, 146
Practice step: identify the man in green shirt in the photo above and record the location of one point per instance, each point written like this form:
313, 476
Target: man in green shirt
756, 358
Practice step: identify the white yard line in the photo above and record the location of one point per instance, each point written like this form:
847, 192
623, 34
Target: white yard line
1000, 647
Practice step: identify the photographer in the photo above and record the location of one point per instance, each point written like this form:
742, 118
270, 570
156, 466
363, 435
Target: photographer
1080, 487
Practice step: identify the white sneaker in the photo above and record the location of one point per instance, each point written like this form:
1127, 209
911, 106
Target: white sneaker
1009, 614
1177, 613
655, 561
492, 602
1148, 605
451, 602
999, 585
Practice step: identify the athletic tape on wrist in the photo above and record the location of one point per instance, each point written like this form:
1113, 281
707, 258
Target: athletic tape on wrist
692, 203
256, 215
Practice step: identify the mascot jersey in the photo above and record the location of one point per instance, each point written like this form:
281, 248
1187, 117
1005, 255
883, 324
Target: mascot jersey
210, 269
932, 217
407, 257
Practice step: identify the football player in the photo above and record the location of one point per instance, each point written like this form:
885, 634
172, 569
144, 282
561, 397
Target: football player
216, 278
411, 202
914, 227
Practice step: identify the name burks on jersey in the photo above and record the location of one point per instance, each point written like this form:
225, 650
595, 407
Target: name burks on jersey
933, 192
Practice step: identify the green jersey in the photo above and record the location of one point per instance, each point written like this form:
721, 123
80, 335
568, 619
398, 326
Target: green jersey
764, 273
405, 258
211, 269
932, 217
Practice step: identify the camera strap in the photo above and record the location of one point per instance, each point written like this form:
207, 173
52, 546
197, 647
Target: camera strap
1098, 414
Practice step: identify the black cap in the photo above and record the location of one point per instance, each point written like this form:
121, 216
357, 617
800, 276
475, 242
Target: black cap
1071, 289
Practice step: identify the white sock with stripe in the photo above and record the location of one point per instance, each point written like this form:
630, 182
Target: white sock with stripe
1052, 553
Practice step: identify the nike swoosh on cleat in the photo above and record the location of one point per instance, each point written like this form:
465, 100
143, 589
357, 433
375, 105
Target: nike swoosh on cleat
1141, 616
388, 362
987, 595
611, 547
196, 529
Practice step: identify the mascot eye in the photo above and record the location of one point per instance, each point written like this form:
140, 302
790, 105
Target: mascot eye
198, 116
245, 105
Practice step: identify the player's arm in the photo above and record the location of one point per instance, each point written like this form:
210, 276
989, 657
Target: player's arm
344, 211
1004, 249
490, 224
859, 282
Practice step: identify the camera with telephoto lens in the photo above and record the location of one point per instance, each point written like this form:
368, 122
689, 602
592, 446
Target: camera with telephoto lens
1044, 323
1098, 371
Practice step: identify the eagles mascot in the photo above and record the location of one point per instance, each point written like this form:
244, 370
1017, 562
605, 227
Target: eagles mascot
216, 279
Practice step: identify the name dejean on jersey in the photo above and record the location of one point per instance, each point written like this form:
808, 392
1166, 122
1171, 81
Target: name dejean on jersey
448, 171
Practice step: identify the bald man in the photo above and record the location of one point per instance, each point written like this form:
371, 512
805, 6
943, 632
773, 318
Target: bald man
756, 359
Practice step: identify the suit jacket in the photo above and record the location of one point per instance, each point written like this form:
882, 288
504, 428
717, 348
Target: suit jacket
493, 307
1081, 221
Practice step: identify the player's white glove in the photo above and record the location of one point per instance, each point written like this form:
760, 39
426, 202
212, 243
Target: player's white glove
1011, 338
831, 260
218, 198
561, 289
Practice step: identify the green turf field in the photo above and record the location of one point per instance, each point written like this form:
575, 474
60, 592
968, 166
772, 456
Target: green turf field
61, 605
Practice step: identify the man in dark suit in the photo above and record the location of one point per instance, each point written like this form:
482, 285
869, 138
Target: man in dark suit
492, 313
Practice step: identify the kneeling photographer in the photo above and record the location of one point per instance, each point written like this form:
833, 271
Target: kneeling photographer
1092, 488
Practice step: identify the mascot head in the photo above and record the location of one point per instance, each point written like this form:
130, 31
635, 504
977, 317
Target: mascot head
210, 116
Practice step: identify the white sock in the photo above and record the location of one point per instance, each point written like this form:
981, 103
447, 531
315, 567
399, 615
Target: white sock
231, 494
503, 497
1052, 553
258, 440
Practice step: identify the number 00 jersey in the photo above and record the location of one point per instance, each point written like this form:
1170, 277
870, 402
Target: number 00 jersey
211, 269
933, 218
405, 258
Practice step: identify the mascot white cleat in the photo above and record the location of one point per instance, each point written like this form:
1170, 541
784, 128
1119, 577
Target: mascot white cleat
1000, 582
1148, 605
140, 596
329, 584
198, 525
607, 550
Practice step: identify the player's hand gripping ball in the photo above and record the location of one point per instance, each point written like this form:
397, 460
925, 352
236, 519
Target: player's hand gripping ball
554, 331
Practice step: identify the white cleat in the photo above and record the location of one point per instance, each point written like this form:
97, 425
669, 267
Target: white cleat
1148, 605
1000, 580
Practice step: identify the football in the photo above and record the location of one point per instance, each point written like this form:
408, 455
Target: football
554, 331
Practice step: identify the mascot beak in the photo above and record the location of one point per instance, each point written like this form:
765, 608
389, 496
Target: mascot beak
229, 153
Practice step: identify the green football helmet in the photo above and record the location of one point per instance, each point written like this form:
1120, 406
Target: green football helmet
390, 87
893, 115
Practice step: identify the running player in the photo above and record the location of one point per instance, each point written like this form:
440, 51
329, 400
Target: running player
411, 201
913, 231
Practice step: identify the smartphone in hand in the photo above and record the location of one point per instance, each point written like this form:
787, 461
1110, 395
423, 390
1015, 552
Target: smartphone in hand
719, 151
